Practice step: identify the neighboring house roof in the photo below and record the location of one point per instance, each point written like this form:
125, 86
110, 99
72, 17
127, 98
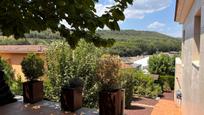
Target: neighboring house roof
143, 62
131, 60
22, 48
183, 8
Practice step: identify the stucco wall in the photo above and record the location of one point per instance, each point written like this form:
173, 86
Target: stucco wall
15, 60
193, 71
178, 80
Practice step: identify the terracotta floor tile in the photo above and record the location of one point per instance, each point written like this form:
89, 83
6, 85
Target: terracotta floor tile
166, 107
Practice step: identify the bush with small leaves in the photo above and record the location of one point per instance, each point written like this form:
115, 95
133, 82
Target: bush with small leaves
65, 64
32, 66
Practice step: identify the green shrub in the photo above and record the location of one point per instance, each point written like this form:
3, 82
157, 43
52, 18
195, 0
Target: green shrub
145, 86
51, 92
58, 57
166, 82
32, 67
15, 85
128, 83
162, 64
86, 57
65, 64
8, 71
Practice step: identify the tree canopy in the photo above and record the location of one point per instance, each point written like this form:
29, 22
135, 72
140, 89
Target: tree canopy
18, 17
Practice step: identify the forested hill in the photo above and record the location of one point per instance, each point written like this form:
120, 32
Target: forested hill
128, 42
132, 43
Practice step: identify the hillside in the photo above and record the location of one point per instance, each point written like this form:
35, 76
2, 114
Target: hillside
132, 43
131, 34
128, 42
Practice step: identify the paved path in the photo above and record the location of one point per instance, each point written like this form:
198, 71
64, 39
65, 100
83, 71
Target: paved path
145, 106
166, 107
141, 106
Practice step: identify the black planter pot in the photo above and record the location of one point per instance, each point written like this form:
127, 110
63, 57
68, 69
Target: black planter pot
32, 91
71, 99
111, 102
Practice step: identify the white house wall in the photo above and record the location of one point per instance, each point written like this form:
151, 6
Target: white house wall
193, 73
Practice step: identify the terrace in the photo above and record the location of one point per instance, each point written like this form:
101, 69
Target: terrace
72, 76
139, 106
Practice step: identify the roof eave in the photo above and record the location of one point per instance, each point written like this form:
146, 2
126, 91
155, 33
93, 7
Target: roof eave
175, 16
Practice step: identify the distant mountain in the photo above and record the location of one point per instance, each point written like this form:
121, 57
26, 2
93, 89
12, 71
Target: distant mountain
132, 34
132, 43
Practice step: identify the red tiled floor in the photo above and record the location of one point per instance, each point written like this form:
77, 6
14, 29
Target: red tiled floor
168, 95
141, 106
166, 107
145, 106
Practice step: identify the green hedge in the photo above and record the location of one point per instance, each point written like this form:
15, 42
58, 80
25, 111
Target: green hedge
145, 86
15, 85
64, 64
128, 83
166, 82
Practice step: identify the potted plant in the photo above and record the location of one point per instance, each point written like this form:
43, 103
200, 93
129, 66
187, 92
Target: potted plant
33, 68
71, 95
111, 96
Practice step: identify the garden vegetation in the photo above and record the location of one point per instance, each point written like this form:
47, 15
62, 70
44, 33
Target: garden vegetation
163, 65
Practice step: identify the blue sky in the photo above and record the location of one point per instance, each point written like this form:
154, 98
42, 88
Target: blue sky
150, 15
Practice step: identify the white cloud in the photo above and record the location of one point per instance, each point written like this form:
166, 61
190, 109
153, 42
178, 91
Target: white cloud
100, 9
156, 25
139, 8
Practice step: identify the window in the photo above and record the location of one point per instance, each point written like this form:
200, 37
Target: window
184, 36
196, 40
183, 45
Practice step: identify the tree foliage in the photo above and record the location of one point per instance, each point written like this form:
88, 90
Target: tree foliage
162, 64
133, 43
20, 16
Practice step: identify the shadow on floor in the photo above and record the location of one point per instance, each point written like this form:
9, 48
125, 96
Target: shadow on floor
168, 95
136, 99
134, 107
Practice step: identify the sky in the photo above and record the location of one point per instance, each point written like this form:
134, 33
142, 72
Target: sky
148, 15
